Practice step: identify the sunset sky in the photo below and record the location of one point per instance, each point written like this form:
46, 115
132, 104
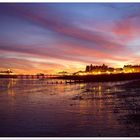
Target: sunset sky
49, 38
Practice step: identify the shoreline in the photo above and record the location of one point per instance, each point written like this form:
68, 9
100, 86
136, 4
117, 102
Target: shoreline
85, 78
102, 77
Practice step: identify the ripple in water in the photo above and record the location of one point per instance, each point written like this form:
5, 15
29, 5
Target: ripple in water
36, 108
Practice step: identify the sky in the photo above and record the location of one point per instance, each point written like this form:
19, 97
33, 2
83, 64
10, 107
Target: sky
54, 37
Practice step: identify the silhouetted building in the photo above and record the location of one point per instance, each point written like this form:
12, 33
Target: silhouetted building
8, 71
40, 74
104, 69
87, 68
80, 73
96, 68
131, 68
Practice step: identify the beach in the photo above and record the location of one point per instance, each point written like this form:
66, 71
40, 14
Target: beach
35, 108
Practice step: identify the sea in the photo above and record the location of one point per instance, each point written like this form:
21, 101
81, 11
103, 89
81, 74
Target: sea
53, 108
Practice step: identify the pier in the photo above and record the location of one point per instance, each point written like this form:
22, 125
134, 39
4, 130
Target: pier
27, 76
72, 79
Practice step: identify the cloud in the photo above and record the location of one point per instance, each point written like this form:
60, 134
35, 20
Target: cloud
127, 27
59, 24
68, 52
26, 66
71, 46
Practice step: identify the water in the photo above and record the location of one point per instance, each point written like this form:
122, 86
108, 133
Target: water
35, 108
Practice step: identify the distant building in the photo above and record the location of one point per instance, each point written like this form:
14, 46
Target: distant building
87, 68
96, 68
40, 74
80, 73
104, 69
64, 73
131, 68
8, 71
118, 70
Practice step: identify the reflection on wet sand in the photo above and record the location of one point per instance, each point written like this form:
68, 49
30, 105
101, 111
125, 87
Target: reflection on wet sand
84, 109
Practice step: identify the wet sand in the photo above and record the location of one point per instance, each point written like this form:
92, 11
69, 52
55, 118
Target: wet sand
35, 108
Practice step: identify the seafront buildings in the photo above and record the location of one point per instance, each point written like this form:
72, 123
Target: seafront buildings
6, 72
90, 70
131, 68
104, 69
